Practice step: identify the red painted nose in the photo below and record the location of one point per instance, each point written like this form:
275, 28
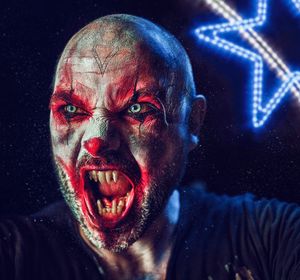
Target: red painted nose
94, 146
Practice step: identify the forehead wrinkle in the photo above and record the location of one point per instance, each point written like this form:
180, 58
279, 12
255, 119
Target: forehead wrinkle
84, 91
117, 96
83, 63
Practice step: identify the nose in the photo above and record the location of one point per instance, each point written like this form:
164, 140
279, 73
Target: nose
95, 146
100, 137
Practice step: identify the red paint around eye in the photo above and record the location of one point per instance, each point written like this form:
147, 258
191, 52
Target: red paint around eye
57, 107
151, 100
58, 115
135, 122
70, 98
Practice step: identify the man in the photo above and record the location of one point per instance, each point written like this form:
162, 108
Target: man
124, 115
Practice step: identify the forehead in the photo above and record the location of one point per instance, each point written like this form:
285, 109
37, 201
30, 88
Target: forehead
108, 77
101, 64
111, 60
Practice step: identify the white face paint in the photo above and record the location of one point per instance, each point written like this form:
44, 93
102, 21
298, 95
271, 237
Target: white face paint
117, 156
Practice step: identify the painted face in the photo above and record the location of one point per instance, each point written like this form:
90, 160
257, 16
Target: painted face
118, 136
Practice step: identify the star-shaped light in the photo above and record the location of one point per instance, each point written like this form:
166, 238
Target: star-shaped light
264, 53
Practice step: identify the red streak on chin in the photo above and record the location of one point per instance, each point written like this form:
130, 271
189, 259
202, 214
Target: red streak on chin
79, 193
144, 184
68, 170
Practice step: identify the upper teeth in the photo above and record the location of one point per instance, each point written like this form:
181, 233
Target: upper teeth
105, 177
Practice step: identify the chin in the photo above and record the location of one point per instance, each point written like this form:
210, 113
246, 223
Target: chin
115, 218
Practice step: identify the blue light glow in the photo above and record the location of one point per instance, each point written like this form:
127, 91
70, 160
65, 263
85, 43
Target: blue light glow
296, 3
290, 80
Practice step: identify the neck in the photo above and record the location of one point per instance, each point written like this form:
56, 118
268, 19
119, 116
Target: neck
150, 254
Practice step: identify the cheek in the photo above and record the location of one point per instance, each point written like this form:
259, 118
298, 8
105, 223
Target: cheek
151, 144
66, 139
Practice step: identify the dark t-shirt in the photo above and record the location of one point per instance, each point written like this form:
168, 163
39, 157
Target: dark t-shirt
216, 237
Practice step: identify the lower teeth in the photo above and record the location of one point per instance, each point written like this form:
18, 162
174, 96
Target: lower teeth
114, 209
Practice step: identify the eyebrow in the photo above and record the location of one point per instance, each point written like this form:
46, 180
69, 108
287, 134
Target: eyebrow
154, 92
68, 97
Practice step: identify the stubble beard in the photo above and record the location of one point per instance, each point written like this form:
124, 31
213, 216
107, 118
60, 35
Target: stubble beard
148, 203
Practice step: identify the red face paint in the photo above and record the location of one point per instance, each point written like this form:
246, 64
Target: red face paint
118, 158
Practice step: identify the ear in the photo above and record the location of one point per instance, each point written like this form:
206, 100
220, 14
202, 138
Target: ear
196, 119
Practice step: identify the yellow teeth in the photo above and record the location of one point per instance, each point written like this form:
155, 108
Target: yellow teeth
115, 175
101, 177
100, 207
116, 207
120, 206
105, 205
107, 177
93, 174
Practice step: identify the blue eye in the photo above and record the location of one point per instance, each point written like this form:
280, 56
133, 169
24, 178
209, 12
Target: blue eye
135, 108
71, 109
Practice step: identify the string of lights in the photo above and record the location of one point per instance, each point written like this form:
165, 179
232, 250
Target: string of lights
265, 54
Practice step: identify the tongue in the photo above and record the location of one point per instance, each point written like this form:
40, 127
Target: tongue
120, 188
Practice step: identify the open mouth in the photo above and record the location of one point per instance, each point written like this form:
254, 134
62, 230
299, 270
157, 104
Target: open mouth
108, 195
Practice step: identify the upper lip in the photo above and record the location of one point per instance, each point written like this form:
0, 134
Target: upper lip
87, 168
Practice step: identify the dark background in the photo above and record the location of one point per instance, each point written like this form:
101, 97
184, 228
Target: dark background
233, 157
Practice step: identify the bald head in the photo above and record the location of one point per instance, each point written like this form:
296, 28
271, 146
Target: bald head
122, 42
